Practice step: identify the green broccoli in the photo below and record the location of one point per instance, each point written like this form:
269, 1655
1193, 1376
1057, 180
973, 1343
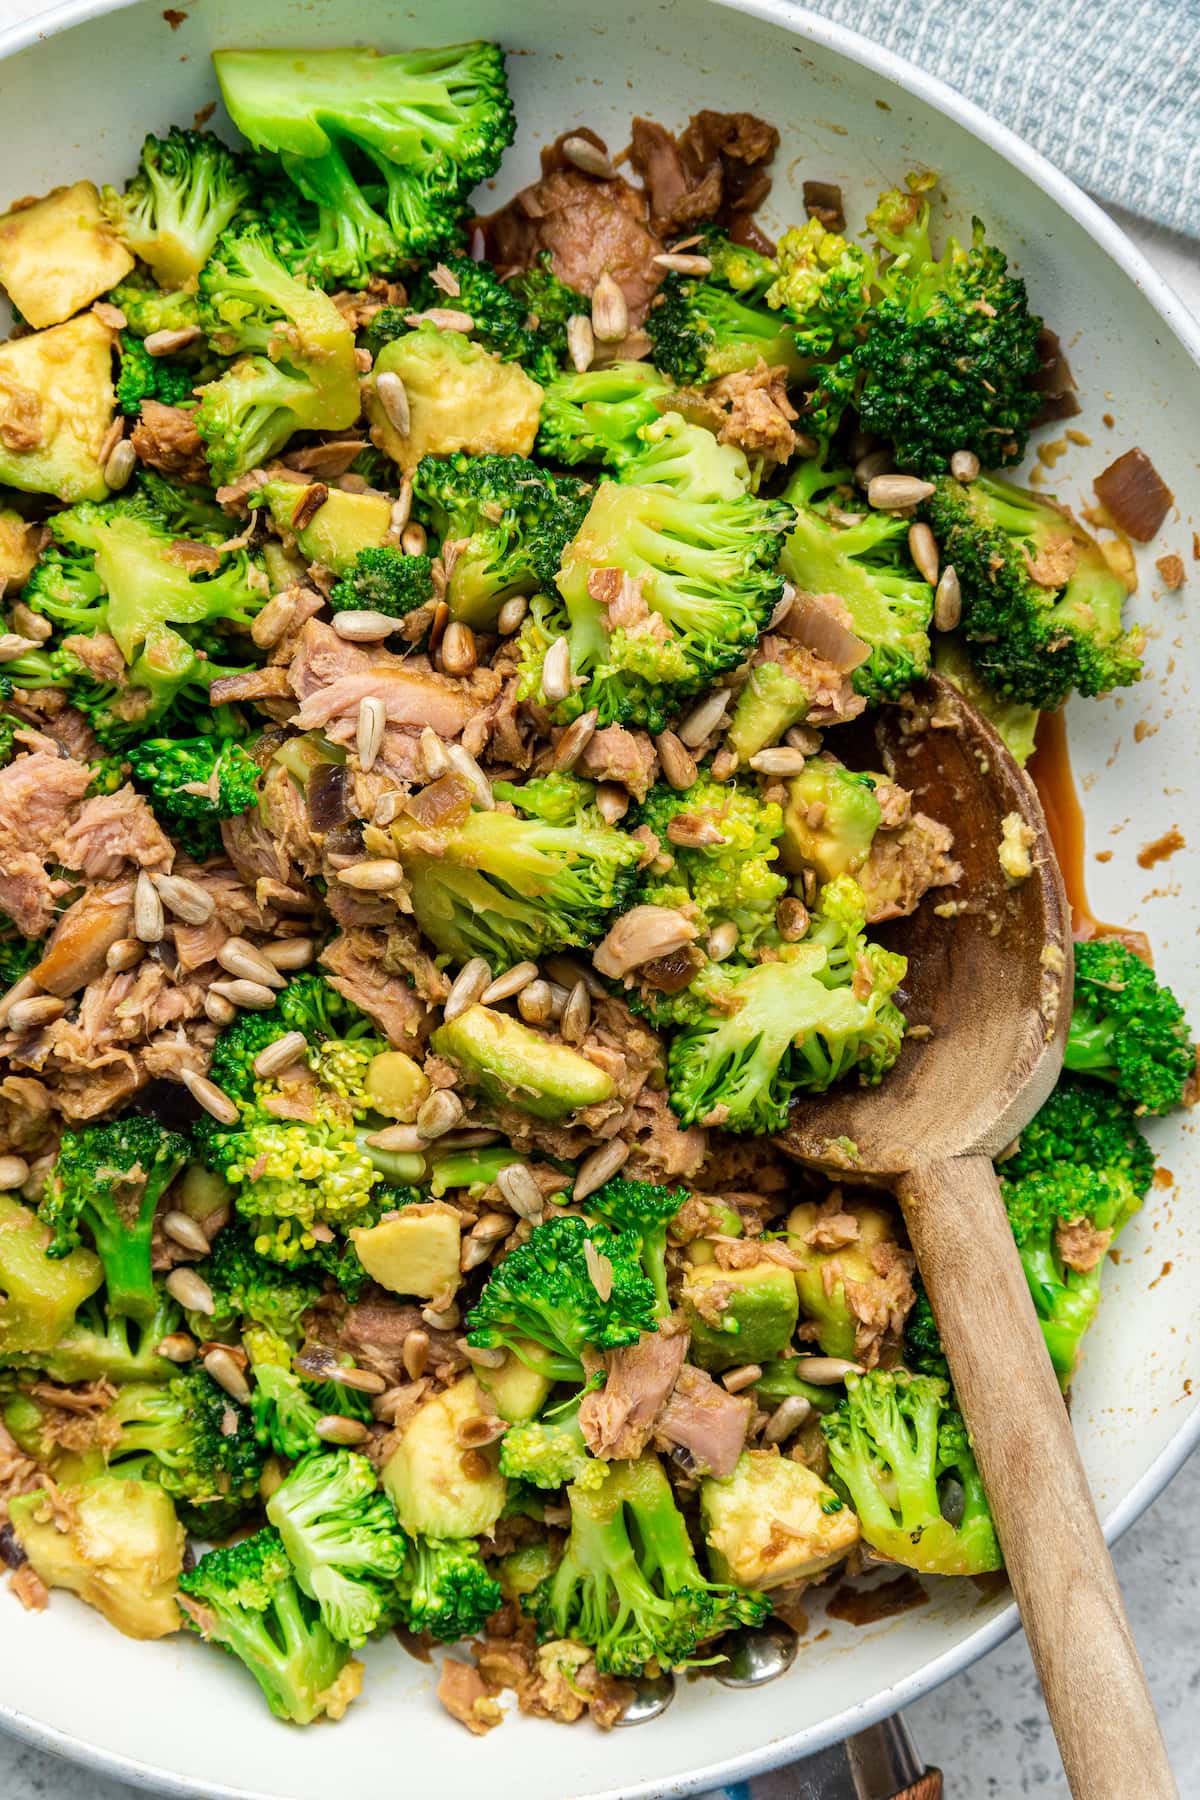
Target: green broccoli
148, 309
1127, 1027
501, 313
738, 267
629, 1584
296, 369
17, 956
110, 1178
596, 416
188, 187
824, 284
384, 580
543, 1294
445, 1588
145, 377
1041, 607
868, 567
1086, 1122
193, 783
669, 452
549, 304
896, 1444
246, 1289
104, 1345
700, 331
733, 877
645, 1209
187, 1434
287, 1408
386, 147
923, 1351
509, 522
245, 1597
550, 1451
343, 1541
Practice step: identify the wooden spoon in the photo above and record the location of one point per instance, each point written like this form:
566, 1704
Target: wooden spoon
994, 983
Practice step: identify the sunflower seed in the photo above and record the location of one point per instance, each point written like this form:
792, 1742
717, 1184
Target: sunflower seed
363, 625
788, 1417
439, 1114
599, 1268
468, 987
694, 831
947, 602
472, 1254
599, 1167
791, 919
511, 614
177, 1347
682, 264
402, 506
184, 1230
704, 719
240, 957
575, 740
12, 646
581, 341
582, 154
388, 807
804, 738
126, 953
875, 462
556, 671
207, 1094
964, 465
490, 1227
413, 540
404, 1138
722, 940
824, 1371
40, 1009
372, 722
734, 1380
280, 1055
289, 954
335, 1428
610, 312
890, 493
372, 877
186, 899
121, 463
148, 921
191, 1290
433, 754
445, 318
922, 547
20, 990
442, 1318
363, 1381
414, 1354
393, 398
464, 764
483, 1356
566, 971
459, 655
219, 1009
505, 986
250, 996
576, 1014
14, 1172
678, 764
535, 1003
519, 1187
781, 759
166, 343
612, 801
276, 618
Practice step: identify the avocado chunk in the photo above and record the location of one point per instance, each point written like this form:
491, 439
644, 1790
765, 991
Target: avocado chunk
830, 820
459, 398
773, 1521
822, 1282
511, 1063
414, 1253
56, 405
60, 254
521, 1570
518, 1392
117, 1544
17, 552
39, 1294
425, 1477
396, 1085
739, 1315
770, 703
342, 525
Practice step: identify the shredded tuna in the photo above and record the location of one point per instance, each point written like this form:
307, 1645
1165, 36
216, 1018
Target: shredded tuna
704, 1423
165, 438
618, 1419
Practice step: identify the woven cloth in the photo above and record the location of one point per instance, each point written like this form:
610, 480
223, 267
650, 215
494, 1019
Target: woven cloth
1109, 90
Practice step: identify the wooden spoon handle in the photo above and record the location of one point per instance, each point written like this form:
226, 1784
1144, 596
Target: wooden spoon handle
1057, 1560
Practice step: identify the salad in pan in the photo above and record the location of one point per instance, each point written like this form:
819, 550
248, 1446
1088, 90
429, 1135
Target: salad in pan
442, 833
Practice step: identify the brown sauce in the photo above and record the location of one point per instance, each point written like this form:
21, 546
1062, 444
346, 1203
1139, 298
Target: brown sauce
1161, 848
867, 1606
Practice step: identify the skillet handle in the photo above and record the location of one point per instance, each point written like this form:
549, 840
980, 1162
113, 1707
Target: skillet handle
880, 1763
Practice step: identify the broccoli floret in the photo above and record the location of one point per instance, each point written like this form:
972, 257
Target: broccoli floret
106, 1345
730, 878
1041, 607
386, 147
193, 783
629, 1584
1084, 1121
148, 309
17, 956
550, 1451
343, 1541
295, 371
509, 521
824, 285
671, 453
490, 884
868, 567
247, 1289
288, 1408
110, 1178
499, 312
707, 581
384, 580
895, 1443
923, 1351
645, 1209
1014, 722
245, 1597
189, 1435
549, 303
145, 377
759, 1035
737, 267
1127, 1027
307, 1004
543, 1292
446, 1589
700, 331
596, 416
1042, 1206
187, 189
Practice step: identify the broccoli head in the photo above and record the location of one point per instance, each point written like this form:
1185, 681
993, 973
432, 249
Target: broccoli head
549, 304
109, 1179
343, 1541
288, 1408
504, 318
1127, 1027
645, 1209
187, 189
595, 416
923, 1351
384, 580
1041, 607
1084, 1121
246, 1289
897, 1443
148, 309
187, 1434
722, 841
824, 285
699, 331
445, 1588
193, 783
144, 377
550, 1452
